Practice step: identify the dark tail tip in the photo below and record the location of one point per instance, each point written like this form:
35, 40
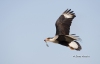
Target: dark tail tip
79, 46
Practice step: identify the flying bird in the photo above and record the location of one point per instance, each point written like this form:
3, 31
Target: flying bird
62, 35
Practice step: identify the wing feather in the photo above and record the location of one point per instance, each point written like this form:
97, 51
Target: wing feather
63, 23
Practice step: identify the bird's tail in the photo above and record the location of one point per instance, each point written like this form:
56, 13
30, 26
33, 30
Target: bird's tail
79, 46
75, 45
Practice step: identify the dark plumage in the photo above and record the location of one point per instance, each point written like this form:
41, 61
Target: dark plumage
63, 24
62, 35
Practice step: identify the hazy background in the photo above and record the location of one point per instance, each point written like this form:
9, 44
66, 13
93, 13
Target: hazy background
24, 24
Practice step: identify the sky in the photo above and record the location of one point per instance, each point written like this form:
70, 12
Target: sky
24, 24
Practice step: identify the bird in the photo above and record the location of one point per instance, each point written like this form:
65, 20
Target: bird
63, 36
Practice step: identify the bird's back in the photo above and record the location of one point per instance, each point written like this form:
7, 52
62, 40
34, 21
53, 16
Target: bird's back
64, 40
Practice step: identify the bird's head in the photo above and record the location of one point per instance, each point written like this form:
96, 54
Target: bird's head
47, 39
51, 39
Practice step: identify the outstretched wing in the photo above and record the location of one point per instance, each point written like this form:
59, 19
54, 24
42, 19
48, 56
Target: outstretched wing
63, 23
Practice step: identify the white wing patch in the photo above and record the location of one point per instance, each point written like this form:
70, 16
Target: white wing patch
68, 15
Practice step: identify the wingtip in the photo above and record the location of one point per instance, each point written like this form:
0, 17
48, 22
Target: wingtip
67, 10
69, 14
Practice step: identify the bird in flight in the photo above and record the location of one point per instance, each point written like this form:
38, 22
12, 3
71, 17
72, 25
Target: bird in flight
62, 35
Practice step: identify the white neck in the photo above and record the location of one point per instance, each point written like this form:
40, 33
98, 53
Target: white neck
54, 39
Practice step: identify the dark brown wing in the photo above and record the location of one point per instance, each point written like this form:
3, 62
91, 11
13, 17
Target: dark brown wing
63, 23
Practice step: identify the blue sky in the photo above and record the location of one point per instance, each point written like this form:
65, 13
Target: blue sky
24, 24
